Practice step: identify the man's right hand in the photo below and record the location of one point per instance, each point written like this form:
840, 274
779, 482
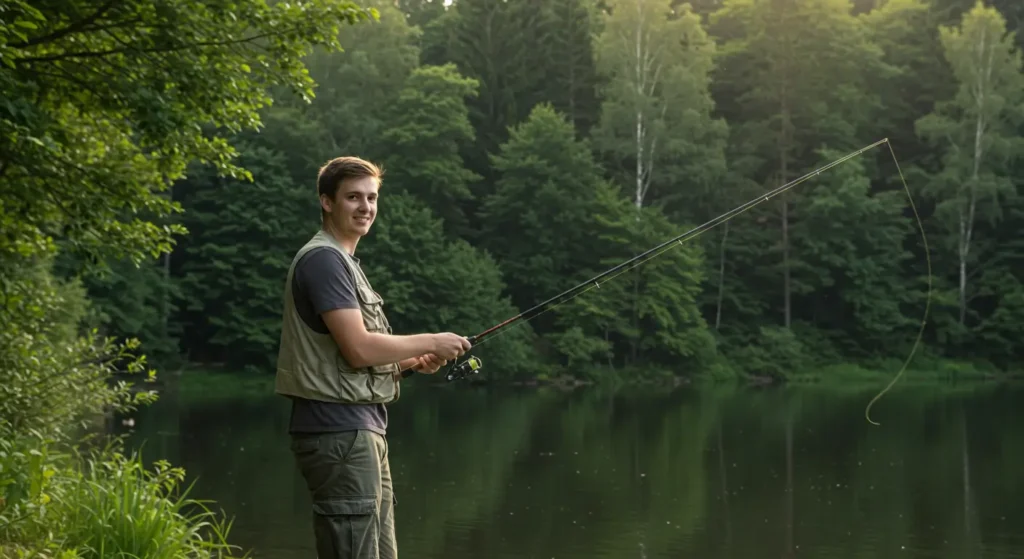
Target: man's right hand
450, 346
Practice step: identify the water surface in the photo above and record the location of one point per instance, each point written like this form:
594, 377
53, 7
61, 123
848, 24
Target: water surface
731, 473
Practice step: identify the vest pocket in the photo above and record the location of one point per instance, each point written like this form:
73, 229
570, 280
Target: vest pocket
364, 387
373, 308
384, 386
358, 386
367, 294
379, 380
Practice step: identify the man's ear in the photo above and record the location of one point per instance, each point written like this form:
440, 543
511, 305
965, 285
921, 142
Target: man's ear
325, 203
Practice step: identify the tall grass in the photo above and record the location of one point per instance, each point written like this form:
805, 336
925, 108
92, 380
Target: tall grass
56, 499
115, 507
106, 505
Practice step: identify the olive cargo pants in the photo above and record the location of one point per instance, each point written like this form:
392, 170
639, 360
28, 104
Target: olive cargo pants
349, 480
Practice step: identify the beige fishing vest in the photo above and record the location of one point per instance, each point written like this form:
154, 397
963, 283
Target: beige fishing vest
310, 365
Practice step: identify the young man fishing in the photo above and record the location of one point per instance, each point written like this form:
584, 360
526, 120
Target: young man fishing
340, 364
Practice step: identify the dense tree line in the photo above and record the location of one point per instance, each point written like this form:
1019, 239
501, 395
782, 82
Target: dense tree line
529, 145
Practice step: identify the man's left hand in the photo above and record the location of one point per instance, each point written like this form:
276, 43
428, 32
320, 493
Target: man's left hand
429, 364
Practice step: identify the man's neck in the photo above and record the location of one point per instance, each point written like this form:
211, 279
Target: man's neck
349, 244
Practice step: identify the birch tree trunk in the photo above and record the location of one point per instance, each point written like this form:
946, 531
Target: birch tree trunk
967, 214
638, 199
656, 109
977, 129
647, 67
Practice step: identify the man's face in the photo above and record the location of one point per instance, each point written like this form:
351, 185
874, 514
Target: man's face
354, 207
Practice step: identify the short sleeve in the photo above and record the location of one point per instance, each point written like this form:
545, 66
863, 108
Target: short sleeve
326, 281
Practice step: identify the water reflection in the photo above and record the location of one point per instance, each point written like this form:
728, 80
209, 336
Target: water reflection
729, 473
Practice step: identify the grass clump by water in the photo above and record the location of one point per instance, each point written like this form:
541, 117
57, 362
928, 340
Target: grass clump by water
103, 504
116, 507
63, 495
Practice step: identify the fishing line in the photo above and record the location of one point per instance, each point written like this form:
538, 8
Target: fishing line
928, 298
664, 247
595, 282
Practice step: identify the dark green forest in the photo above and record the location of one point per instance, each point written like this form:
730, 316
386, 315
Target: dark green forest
530, 145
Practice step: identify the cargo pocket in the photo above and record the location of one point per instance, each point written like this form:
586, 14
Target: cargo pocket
373, 308
384, 387
354, 524
353, 385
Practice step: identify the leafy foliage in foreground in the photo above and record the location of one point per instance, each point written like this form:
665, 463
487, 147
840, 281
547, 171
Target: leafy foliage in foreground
105, 105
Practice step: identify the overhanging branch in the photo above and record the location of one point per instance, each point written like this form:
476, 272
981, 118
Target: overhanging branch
63, 32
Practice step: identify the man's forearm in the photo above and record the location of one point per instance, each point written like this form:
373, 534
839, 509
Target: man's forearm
366, 349
381, 349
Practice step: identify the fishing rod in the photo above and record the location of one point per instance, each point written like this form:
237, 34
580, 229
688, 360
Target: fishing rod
473, 365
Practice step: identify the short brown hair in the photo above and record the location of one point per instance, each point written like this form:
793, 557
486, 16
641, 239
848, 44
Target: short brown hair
335, 171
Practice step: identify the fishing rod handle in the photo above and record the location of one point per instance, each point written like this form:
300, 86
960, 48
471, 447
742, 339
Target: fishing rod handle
409, 372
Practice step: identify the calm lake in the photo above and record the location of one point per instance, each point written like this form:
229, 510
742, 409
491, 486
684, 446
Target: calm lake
591, 473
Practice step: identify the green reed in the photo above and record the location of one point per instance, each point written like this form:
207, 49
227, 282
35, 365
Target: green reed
116, 507
107, 505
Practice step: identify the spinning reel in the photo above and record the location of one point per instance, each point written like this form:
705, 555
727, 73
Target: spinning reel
471, 366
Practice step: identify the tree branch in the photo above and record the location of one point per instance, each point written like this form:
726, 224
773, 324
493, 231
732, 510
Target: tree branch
108, 52
73, 28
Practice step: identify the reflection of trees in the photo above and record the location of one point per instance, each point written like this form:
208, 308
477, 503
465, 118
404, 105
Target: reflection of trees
724, 482
626, 476
970, 520
582, 471
912, 487
453, 456
737, 473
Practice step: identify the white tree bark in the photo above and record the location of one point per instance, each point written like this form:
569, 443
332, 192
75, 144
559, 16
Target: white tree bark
968, 211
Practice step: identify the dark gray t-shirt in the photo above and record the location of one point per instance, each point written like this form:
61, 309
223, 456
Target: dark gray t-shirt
321, 283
